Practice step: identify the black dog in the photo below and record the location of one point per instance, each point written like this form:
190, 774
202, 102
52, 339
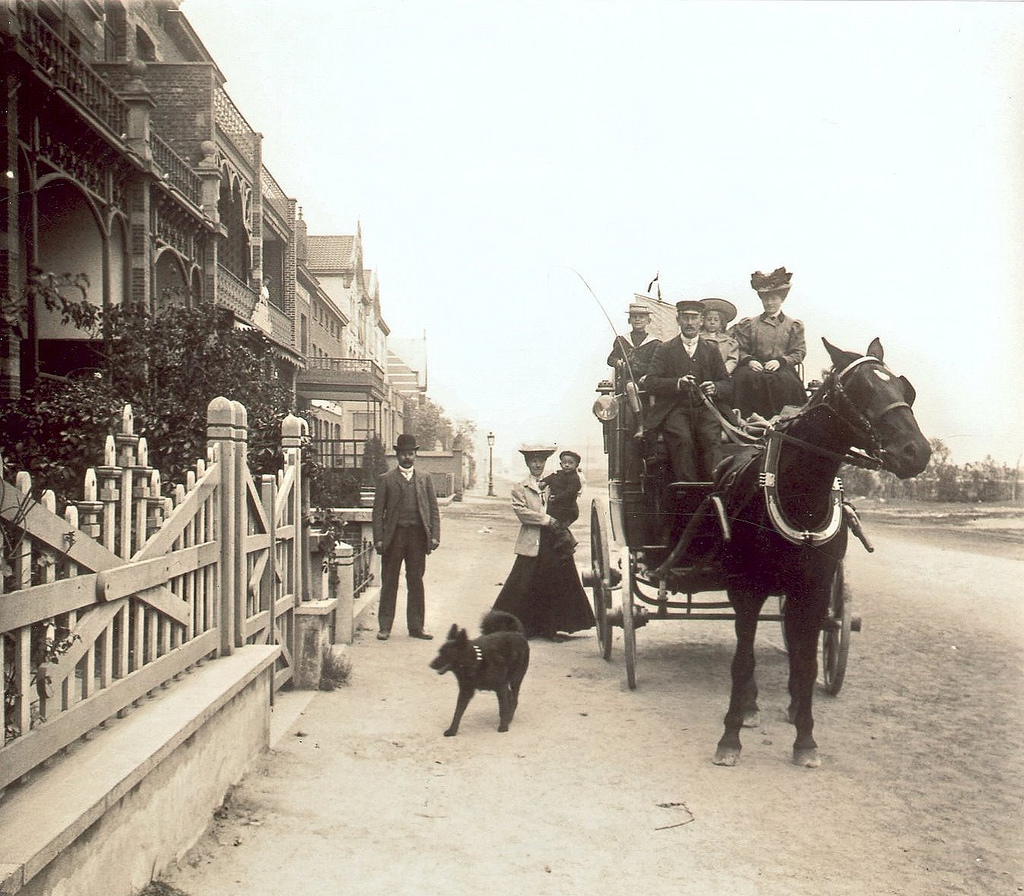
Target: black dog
496, 661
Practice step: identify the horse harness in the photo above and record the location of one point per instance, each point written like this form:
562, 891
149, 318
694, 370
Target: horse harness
861, 424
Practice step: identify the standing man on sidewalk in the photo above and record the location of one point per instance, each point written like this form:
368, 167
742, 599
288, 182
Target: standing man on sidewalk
406, 527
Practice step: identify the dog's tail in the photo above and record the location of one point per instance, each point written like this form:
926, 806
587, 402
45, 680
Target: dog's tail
497, 621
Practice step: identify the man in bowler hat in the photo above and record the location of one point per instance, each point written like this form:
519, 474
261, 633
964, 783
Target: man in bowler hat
682, 369
406, 527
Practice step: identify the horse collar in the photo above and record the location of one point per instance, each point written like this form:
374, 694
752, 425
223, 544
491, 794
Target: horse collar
768, 480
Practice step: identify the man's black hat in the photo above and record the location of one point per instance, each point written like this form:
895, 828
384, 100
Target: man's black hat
689, 305
406, 442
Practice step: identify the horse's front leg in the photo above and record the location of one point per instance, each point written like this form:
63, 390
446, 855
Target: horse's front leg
803, 625
743, 710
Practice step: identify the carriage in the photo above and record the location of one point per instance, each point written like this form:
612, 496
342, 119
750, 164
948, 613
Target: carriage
773, 522
671, 535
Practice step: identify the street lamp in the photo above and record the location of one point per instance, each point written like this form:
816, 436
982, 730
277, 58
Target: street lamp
490, 465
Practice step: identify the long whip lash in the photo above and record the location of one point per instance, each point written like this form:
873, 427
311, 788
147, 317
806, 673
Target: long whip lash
604, 311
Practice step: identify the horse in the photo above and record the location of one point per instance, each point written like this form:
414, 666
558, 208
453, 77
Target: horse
789, 529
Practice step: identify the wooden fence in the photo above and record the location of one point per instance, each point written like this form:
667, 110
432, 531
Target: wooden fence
129, 588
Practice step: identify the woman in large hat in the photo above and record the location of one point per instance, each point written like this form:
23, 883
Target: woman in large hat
772, 349
543, 589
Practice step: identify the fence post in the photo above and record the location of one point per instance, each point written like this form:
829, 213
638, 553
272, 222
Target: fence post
341, 584
292, 431
241, 518
220, 437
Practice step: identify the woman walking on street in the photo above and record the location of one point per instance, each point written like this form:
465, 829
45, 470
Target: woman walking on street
543, 589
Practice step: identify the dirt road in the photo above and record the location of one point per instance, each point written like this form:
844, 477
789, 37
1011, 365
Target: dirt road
596, 788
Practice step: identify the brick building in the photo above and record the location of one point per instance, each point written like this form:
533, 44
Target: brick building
126, 160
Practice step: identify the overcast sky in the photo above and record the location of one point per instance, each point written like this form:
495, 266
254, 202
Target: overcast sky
495, 153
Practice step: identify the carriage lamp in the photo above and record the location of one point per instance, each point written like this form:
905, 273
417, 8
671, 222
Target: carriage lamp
490, 465
606, 408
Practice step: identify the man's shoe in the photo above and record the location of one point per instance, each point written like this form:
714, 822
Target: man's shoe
383, 636
422, 635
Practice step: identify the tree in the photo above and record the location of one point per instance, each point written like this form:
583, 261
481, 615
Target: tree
429, 424
168, 366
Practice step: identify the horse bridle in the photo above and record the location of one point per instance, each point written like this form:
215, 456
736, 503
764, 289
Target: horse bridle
872, 458
860, 423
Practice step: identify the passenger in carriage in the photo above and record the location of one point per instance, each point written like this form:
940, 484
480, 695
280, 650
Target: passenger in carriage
631, 357
718, 314
682, 369
633, 353
771, 346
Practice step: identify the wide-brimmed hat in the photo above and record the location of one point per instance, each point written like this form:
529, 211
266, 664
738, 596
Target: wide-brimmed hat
776, 281
723, 306
571, 453
536, 450
689, 305
639, 308
406, 442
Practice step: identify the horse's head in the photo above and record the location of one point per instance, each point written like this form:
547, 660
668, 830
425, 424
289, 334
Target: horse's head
876, 404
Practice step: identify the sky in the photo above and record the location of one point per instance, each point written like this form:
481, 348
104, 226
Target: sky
520, 169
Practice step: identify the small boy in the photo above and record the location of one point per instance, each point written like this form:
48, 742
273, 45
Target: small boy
564, 486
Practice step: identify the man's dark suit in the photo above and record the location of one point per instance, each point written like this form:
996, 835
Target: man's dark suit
404, 543
692, 432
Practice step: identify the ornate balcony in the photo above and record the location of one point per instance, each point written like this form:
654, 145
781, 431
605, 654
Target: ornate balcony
177, 172
70, 73
343, 379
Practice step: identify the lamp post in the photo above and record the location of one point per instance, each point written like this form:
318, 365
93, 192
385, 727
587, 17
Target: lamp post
490, 465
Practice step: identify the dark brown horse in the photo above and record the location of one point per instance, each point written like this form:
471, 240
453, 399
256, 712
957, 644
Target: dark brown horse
789, 531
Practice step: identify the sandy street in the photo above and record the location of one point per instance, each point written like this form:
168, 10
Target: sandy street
597, 788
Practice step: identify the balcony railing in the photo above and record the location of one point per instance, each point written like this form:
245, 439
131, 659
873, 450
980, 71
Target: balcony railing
234, 126
348, 365
342, 454
177, 172
280, 325
273, 194
234, 294
70, 72
337, 377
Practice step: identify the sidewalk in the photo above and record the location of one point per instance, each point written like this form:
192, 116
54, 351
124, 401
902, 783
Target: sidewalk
362, 793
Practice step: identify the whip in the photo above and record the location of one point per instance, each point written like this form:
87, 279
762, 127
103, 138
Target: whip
633, 394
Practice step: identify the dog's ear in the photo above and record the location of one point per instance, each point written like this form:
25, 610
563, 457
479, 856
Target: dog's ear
452, 632
461, 637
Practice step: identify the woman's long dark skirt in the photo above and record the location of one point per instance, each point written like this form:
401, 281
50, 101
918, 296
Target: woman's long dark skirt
545, 592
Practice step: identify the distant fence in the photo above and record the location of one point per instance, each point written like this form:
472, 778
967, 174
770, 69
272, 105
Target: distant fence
128, 588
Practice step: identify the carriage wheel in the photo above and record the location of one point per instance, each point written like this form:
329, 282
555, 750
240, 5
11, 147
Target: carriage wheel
835, 637
629, 628
600, 577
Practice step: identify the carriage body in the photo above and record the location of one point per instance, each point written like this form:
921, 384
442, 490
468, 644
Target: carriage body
649, 516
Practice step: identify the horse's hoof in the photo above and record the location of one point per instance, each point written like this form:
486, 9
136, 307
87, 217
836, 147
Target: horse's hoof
751, 718
727, 757
806, 758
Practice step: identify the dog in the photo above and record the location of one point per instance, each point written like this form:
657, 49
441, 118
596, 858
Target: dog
496, 661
